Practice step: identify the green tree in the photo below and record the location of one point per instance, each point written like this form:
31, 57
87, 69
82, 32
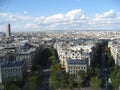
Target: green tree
90, 72
95, 82
56, 76
54, 82
97, 72
53, 59
63, 83
10, 85
115, 77
59, 79
33, 81
70, 83
82, 75
110, 60
52, 50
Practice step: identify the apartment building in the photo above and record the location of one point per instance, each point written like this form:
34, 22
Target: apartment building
15, 70
73, 66
115, 51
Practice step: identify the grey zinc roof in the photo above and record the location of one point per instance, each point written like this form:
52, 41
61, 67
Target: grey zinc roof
77, 61
12, 64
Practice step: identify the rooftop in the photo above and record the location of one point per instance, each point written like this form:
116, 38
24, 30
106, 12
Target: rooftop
77, 61
12, 64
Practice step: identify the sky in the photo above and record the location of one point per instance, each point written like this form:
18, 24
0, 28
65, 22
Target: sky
41, 15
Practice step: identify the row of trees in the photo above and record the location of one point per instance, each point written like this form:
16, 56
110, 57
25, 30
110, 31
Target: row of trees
115, 77
44, 60
93, 78
10, 85
93, 75
114, 70
110, 60
58, 78
33, 78
95, 82
41, 57
41, 61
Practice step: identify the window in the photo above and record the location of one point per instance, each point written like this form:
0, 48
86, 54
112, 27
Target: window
81, 67
69, 67
4, 70
84, 67
74, 67
73, 54
19, 69
11, 70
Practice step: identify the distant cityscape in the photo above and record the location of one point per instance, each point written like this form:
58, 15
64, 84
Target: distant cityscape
76, 51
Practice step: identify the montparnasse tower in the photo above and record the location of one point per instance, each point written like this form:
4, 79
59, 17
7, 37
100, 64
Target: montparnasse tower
8, 32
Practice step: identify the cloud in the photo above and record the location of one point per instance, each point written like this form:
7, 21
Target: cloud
29, 26
25, 12
74, 19
109, 20
109, 14
76, 14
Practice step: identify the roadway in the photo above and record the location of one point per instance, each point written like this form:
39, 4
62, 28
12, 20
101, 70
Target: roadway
104, 72
44, 85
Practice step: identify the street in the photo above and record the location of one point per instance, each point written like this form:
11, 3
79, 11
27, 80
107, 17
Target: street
105, 72
44, 80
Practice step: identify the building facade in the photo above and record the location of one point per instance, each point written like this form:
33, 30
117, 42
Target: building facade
74, 66
10, 66
115, 51
15, 70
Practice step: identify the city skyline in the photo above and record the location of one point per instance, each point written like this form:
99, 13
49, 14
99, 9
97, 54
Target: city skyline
60, 15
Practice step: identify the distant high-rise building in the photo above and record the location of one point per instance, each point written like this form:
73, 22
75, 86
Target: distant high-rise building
8, 32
